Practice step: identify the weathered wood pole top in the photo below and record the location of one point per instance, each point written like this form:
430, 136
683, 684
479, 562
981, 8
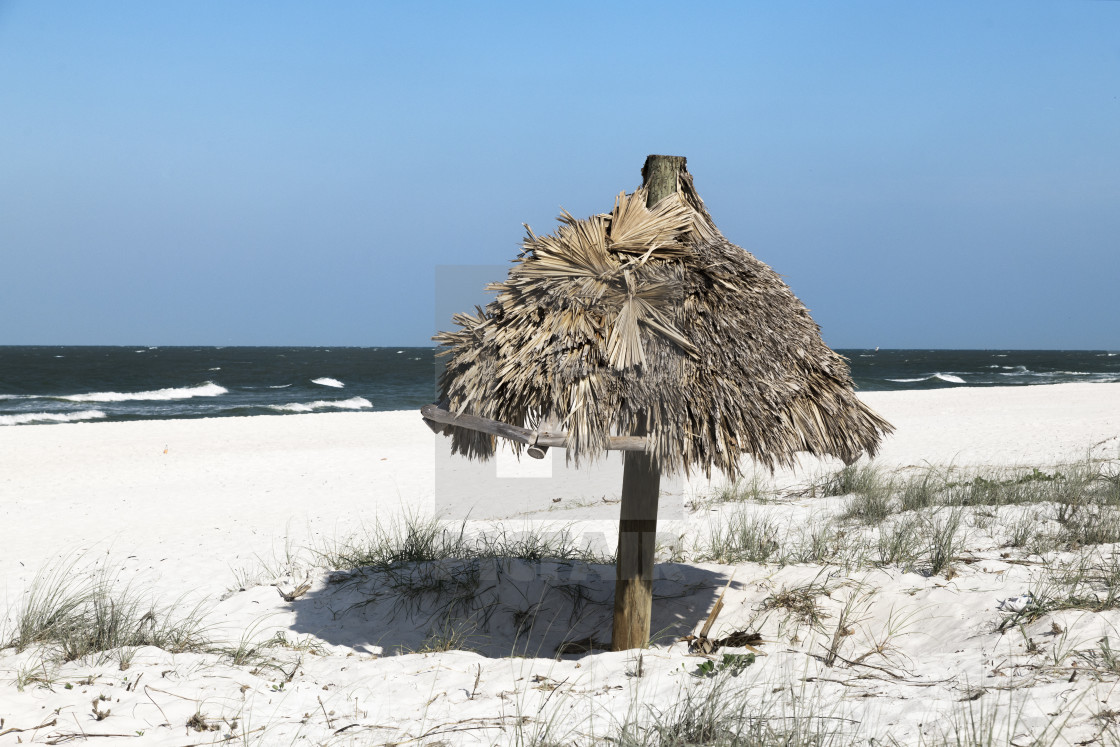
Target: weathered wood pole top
661, 176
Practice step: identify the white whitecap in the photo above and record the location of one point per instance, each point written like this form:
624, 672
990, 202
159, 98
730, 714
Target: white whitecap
50, 417
328, 381
354, 403
209, 389
215, 368
943, 376
280, 386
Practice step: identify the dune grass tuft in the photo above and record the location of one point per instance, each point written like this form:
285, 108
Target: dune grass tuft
75, 614
417, 539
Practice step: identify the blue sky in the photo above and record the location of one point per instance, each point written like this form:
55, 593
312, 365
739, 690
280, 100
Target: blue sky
924, 174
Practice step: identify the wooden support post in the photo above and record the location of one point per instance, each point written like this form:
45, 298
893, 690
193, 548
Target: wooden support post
641, 483
637, 539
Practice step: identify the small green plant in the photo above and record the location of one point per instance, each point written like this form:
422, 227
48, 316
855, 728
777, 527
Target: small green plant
732, 664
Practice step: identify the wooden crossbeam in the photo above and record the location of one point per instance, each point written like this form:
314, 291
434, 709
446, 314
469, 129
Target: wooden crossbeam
438, 414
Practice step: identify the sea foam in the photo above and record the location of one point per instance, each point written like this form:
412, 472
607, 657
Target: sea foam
209, 389
50, 417
327, 381
942, 376
354, 403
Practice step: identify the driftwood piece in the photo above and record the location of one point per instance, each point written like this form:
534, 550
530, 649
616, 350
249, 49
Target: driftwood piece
438, 414
716, 609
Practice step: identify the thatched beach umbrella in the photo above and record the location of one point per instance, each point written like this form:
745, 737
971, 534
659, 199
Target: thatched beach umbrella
644, 329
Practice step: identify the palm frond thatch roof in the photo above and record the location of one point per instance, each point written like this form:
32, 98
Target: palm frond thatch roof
650, 321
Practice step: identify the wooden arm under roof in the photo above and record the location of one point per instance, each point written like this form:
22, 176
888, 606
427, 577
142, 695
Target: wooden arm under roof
436, 416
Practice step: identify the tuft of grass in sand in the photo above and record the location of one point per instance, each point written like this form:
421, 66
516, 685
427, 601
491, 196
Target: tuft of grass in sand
740, 537
856, 479
752, 489
922, 519
719, 710
801, 604
415, 539
74, 614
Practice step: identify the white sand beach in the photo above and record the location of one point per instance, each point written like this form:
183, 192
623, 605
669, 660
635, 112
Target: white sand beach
221, 515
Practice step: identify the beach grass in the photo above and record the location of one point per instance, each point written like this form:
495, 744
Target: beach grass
73, 613
414, 538
920, 519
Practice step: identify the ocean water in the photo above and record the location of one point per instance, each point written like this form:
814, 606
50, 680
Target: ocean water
69, 384
73, 384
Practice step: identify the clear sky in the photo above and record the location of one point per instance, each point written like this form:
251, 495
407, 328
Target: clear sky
924, 174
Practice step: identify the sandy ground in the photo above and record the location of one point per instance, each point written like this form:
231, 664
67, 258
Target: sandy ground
216, 511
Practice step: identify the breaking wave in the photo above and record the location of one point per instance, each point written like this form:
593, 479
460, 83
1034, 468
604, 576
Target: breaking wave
940, 376
354, 403
209, 389
50, 417
327, 381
